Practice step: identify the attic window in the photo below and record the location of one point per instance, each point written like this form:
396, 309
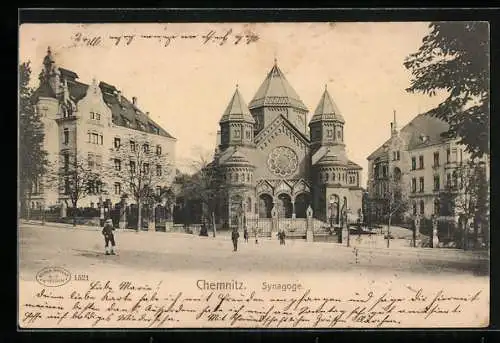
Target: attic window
423, 138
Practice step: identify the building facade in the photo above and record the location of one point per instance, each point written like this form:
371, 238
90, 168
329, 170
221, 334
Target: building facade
94, 123
422, 160
276, 164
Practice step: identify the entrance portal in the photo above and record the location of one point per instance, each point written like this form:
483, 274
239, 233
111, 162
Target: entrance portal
285, 208
265, 206
301, 203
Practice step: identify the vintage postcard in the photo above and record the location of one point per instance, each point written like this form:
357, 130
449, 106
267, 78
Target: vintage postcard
254, 175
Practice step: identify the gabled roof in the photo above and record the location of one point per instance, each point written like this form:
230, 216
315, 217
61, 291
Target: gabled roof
327, 109
276, 91
272, 126
237, 109
124, 112
422, 125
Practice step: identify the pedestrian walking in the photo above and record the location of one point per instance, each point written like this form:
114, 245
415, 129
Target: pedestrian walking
234, 236
245, 234
109, 237
283, 235
256, 234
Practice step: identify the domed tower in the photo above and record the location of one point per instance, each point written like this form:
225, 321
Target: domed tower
327, 126
275, 97
238, 175
330, 162
236, 124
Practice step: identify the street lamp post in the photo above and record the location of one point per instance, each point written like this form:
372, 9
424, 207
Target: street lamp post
348, 211
331, 215
43, 213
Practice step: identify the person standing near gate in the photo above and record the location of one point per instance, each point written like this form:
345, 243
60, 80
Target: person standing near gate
109, 238
234, 236
256, 234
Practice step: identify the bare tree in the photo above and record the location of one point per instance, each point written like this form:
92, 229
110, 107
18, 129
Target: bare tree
396, 201
139, 169
76, 178
468, 190
204, 185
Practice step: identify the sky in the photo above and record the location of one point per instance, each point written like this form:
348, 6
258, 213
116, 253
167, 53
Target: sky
186, 84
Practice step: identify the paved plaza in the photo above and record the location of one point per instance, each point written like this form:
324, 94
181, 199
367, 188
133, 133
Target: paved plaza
82, 248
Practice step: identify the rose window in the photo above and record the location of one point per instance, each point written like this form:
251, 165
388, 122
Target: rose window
282, 161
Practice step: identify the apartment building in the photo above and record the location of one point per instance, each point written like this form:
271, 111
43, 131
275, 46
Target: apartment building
94, 123
422, 159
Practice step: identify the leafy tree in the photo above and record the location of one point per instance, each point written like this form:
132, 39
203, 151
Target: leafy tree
139, 169
33, 161
454, 58
76, 178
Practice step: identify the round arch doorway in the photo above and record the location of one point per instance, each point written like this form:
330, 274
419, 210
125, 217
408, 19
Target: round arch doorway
284, 206
302, 201
265, 205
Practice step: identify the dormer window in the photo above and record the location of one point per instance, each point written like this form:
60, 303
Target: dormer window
423, 138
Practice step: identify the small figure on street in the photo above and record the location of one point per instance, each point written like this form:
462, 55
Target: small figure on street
245, 234
256, 234
281, 236
109, 238
234, 236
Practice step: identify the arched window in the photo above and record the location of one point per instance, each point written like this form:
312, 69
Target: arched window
326, 176
414, 208
237, 178
249, 204
397, 174
422, 207
333, 176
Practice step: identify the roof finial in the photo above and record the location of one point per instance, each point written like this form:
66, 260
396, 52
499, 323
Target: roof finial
49, 51
326, 86
236, 85
275, 59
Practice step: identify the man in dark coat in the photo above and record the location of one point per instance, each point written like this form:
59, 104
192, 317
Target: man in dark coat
234, 236
109, 238
245, 235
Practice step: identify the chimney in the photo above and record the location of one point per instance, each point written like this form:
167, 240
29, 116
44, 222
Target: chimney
119, 96
134, 101
147, 113
218, 139
392, 126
